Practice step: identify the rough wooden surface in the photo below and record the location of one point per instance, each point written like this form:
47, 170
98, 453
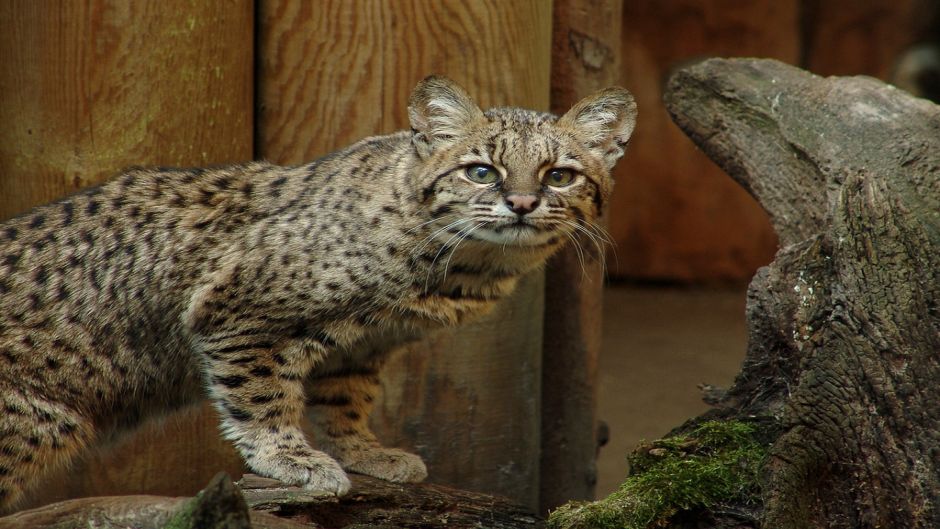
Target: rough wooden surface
585, 51
844, 327
261, 503
335, 71
90, 87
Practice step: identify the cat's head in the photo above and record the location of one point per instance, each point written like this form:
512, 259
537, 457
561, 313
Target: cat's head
512, 176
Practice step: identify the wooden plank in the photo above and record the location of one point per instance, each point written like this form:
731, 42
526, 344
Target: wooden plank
89, 87
675, 215
585, 58
848, 37
335, 71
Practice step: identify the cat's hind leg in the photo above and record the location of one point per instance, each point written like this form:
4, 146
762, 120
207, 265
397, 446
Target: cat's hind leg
339, 405
36, 436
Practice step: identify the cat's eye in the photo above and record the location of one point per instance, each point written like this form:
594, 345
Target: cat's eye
559, 177
482, 174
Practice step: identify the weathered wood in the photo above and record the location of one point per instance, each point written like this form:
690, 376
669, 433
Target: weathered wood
674, 215
90, 87
844, 328
374, 504
585, 51
335, 71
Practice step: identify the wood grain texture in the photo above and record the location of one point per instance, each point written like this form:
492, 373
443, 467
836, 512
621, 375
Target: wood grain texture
585, 58
90, 87
846, 37
675, 215
335, 71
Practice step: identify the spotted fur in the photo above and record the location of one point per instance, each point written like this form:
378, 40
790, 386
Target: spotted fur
274, 290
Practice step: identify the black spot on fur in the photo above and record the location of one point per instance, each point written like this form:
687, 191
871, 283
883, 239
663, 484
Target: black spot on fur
41, 275
232, 381
68, 210
262, 399
92, 207
11, 259
261, 371
37, 221
238, 414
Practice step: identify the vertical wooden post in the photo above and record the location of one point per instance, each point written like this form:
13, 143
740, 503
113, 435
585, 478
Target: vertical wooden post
90, 87
334, 71
585, 51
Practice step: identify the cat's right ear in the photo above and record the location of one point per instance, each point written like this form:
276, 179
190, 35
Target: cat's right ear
440, 112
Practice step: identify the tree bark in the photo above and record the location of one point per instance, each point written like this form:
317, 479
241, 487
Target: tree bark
844, 324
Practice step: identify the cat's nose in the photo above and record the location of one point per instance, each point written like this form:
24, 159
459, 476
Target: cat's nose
522, 204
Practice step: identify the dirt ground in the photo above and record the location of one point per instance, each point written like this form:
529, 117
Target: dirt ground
659, 344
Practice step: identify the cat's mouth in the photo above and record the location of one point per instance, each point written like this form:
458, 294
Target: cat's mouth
519, 224
520, 231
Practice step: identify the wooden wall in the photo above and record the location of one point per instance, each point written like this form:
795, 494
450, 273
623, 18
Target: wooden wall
676, 216
89, 87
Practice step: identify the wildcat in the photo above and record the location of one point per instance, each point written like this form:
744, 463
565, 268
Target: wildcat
268, 289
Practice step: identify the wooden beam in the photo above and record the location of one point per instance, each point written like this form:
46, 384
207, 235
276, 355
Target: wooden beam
585, 52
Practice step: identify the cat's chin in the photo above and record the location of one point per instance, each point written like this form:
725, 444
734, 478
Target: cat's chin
517, 235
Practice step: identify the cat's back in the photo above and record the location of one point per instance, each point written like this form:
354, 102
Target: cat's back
91, 283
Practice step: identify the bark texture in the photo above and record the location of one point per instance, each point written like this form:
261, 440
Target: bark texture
844, 325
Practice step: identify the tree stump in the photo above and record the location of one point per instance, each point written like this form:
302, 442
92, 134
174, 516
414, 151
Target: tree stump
843, 364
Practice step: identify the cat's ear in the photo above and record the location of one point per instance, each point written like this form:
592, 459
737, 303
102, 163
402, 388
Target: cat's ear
440, 112
604, 121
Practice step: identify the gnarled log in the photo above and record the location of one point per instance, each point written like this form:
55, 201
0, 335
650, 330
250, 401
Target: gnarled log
261, 503
844, 342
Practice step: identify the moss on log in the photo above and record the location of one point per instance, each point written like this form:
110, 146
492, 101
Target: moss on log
716, 463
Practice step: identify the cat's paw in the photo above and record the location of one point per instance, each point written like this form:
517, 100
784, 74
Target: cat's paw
390, 464
313, 471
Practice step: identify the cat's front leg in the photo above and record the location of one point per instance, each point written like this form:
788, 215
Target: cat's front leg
339, 405
255, 383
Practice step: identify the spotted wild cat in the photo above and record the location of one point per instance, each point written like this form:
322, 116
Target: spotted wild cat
268, 289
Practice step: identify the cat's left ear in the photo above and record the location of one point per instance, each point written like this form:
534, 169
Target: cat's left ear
605, 121
440, 112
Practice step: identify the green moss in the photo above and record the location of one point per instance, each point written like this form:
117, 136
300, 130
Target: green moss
718, 462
